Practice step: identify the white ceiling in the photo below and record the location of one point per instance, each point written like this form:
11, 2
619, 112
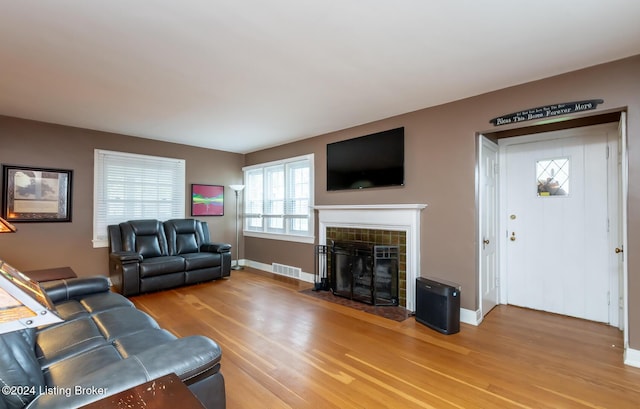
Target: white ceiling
242, 75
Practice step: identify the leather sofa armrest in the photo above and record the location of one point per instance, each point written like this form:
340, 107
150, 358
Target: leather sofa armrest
124, 270
215, 247
188, 357
76, 287
125, 257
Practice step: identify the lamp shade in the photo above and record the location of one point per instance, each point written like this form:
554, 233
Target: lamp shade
237, 188
6, 227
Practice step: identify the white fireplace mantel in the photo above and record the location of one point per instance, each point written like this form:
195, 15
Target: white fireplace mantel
397, 217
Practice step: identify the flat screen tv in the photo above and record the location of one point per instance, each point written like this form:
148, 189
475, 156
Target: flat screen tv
374, 160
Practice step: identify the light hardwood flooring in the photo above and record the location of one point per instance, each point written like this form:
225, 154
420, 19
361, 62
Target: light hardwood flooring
284, 349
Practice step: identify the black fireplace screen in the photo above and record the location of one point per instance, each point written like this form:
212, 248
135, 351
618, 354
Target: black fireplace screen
362, 271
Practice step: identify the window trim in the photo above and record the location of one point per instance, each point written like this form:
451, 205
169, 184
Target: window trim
299, 238
98, 154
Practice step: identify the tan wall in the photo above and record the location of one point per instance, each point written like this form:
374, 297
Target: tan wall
440, 145
440, 171
37, 144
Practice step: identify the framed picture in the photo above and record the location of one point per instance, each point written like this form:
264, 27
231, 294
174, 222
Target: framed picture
36, 194
207, 200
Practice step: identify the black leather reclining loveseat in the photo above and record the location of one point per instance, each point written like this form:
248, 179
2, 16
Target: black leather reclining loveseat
150, 255
104, 346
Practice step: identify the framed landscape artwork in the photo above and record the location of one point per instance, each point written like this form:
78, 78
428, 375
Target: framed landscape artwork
36, 194
207, 200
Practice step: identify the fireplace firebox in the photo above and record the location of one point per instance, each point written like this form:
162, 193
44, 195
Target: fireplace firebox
364, 272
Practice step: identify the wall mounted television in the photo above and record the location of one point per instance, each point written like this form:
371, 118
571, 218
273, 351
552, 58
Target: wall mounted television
374, 160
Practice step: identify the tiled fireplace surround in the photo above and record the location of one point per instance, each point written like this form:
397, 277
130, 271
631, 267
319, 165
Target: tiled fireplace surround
381, 238
393, 225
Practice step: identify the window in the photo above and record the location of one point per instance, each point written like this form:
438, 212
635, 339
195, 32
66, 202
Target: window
129, 186
278, 199
552, 177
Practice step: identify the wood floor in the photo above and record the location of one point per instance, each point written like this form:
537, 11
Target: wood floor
283, 349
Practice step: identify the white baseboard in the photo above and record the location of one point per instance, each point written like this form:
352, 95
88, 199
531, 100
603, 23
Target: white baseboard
257, 265
304, 276
470, 317
632, 357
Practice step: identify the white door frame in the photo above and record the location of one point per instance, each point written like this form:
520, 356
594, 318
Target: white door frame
624, 201
623, 221
482, 229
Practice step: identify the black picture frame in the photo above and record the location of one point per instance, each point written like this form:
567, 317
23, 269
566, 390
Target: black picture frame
207, 200
32, 194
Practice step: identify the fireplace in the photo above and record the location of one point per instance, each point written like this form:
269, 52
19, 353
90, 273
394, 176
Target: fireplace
392, 224
364, 272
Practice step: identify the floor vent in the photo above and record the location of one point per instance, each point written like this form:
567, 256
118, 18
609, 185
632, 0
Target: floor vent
284, 270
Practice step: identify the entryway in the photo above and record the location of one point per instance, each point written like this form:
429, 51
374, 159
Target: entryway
549, 243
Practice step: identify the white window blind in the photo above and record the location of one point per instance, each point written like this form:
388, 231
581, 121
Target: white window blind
130, 186
278, 199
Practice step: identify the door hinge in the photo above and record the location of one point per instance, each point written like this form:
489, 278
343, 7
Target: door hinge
607, 152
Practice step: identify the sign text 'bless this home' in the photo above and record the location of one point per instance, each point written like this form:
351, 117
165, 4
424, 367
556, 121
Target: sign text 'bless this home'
547, 111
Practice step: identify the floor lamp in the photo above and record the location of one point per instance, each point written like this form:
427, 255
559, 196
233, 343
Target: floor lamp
237, 189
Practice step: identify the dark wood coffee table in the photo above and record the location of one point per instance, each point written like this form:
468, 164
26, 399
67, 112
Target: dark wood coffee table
166, 392
50, 274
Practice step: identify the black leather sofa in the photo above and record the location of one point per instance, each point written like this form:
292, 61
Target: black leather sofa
150, 255
104, 346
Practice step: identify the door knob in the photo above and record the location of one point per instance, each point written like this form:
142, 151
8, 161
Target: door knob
619, 250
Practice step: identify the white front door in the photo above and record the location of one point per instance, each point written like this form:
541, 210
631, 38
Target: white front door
557, 236
488, 190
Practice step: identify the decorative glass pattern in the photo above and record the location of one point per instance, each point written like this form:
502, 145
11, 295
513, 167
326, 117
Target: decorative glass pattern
553, 177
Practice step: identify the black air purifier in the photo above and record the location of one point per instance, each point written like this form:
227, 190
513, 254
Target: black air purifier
438, 305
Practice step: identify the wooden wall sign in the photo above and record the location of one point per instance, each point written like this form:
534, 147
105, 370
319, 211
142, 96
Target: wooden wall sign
547, 111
